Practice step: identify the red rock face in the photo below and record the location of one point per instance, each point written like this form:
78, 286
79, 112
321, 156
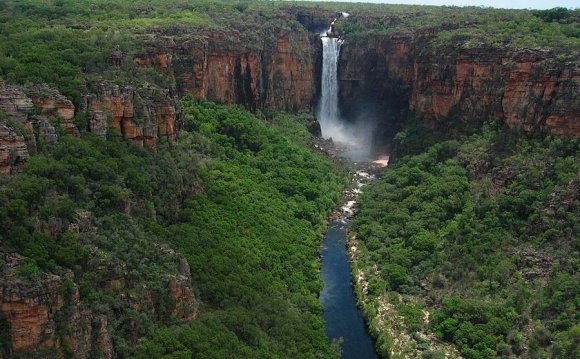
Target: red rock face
220, 67
142, 116
32, 307
291, 73
14, 102
13, 150
536, 91
528, 90
52, 103
37, 308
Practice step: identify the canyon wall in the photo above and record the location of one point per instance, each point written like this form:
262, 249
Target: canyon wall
143, 115
276, 72
44, 313
400, 74
529, 90
42, 316
396, 75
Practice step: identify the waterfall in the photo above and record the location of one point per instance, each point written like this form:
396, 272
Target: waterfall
328, 112
353, 137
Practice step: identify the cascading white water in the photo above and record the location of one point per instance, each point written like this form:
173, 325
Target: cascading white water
328, 112
352, 138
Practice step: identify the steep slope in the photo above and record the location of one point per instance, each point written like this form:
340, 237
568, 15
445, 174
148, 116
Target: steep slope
474, 242
451, 82
104, 243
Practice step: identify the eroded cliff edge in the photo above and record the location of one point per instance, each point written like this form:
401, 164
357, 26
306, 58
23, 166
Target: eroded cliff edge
530, 90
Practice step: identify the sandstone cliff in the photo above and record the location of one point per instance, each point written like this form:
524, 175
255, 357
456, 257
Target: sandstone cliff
528, 90
15, 129
52, 103
143, 115
45, 317
277, 72
31, 116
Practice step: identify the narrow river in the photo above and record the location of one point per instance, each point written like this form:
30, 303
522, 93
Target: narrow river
344, 321
341, 314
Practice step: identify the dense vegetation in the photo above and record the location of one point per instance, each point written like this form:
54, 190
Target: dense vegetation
242, 200
66, 43
252, 239
557, 29
481, 231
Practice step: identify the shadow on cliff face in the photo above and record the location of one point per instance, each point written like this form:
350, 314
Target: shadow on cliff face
369, 120
372, 118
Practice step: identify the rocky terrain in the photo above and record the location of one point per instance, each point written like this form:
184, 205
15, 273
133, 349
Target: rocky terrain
528, 89
400, 75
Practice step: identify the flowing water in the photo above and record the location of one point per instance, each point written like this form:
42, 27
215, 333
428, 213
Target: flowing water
354, 137
344, 320
328, 111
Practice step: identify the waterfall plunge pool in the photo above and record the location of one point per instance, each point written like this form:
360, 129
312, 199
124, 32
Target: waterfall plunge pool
344, 320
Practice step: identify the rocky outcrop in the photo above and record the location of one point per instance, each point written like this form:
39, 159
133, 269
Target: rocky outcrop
528, 90
45, 315
142, 115
277, 73
29, 117
13, 150
14, 102
39, 114
52, 104
179, 285
539, 92
16, 139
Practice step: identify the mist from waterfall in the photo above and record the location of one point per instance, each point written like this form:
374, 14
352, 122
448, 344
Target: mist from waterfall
328, 112
355, 137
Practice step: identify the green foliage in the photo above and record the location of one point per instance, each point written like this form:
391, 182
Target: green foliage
242, 200
471, 220
251, 239
67, 44
468, 27
558, 14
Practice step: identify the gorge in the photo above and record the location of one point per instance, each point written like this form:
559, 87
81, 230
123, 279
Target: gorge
161, 194
344, 321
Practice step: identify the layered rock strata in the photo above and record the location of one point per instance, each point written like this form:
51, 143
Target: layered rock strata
528, 90
278, 73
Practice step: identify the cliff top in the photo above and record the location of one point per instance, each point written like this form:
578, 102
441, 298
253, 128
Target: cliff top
62, 42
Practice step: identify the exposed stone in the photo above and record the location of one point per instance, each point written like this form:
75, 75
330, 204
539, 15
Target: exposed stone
36, 308
28, 118
527, 90
116, 58
13, 150
313, 126
45, 313
47, 132
278, 74
14, 102
51, 103
143, 116
185, 305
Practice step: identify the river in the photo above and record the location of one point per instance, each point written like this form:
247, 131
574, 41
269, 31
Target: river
341, 314
344, 321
